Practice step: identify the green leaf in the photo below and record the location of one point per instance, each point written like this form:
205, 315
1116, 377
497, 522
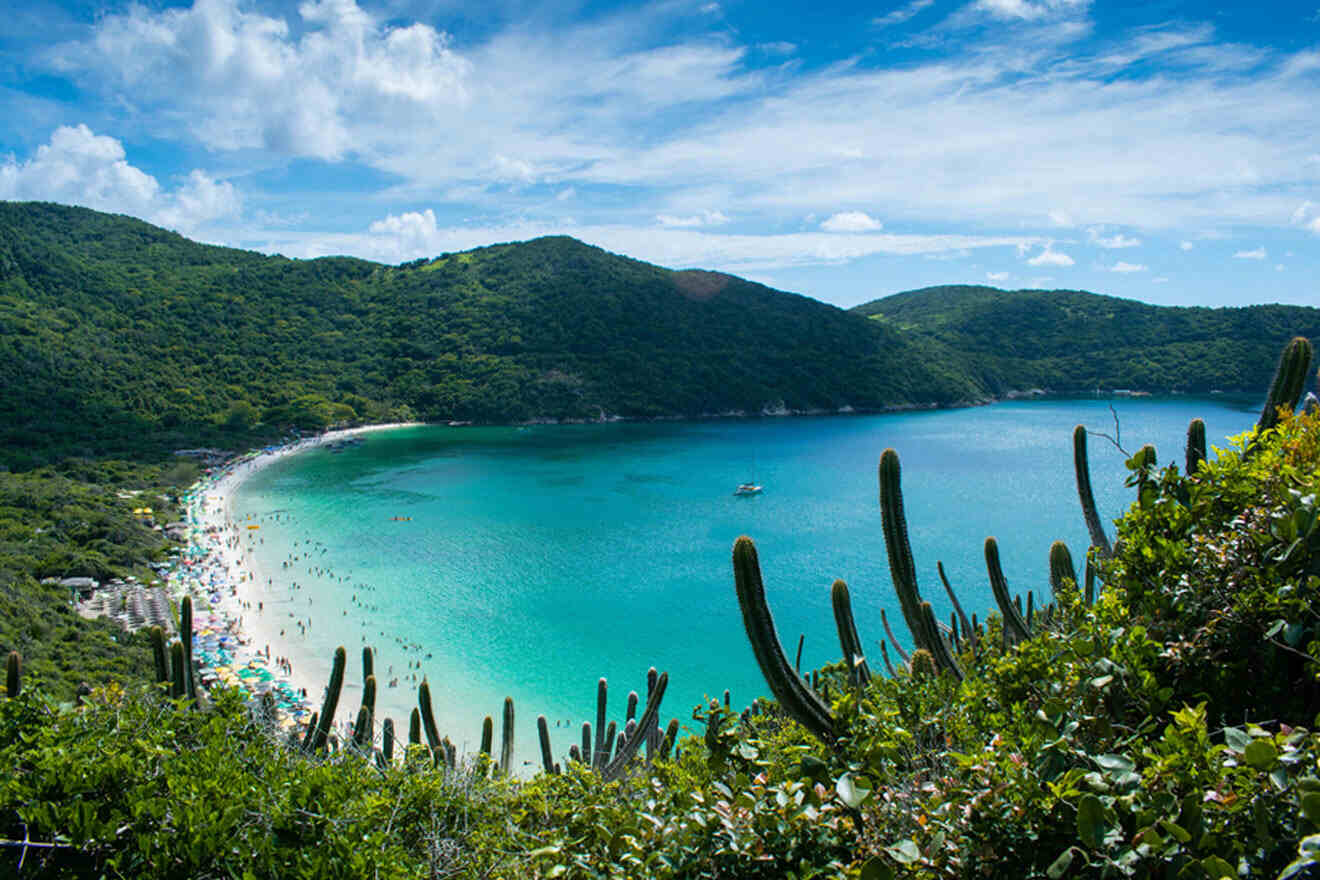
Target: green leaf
1091, 824
1261, 754
1217, 868
1311, 806
852, 790
1236, 739
1060, 866
1178, 832
904, 852
875, 868
1115, 764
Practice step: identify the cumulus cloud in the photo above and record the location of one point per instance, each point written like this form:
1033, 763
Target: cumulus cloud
1117, 240
80, 167
1125, 268
850, 221
1185, 245
1050, 257
240, 79
998, 276
1257, 254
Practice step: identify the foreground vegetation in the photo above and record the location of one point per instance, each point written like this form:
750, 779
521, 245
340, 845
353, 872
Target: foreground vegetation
1160, 727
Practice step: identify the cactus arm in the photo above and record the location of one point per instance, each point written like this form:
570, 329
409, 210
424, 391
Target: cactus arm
14, 674
671, 737
487, 736
1089, 594
362, 733
428, 716
368, 666
1061, 567
957, 606
575, 754
1195, 445
506, 738
653, 734
311, 732
160, 653
784, 683
327, 713
186, 636
587, 751
547, 755
884, 653
1289, 380
415, 728
1015, 628
902, 569
893, 640
614, 769
1082, 471
632, 706
387, 741
598, 755
179, 676
940, 651
797, 661
858, 671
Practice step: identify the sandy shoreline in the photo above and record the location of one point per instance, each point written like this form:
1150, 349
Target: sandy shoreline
231, 594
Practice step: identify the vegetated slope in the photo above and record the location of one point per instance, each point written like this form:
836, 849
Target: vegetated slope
120, 337
1071, 340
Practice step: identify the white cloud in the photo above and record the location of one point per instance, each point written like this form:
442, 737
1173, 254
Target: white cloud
1185, 245
705, 218
902, 13
1030, 10
1050, 257
1307, 216
1125, 268
1062, 218
1115, 241
1257, 254
401, 237
80, 167
850, 221
998, 276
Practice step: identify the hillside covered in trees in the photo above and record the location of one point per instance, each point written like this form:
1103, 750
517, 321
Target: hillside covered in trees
1071, 340
119, 337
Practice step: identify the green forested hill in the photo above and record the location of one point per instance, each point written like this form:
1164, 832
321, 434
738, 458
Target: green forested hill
117, 337
1070, 340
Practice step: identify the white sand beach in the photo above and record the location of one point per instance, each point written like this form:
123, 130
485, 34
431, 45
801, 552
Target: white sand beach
233, 621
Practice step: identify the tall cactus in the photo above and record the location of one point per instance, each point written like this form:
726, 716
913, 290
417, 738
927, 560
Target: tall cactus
1195, 446
614, 769
598, 755
387, 741
902, 569
331, 702
428, 718
160, 653
415, 728
14, 674
788, 688
506, 738
186, 636
543, 734
178, 671
893, 639
853, 656
1082, 471
1015, 627
1289, 380
368, 664
487, 736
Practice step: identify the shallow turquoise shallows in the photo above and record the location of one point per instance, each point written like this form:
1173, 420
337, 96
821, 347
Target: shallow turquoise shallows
531, 561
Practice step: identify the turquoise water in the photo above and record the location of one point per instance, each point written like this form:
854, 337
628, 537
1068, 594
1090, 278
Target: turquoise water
538, 559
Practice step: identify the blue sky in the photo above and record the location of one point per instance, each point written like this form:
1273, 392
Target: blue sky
1165, 151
